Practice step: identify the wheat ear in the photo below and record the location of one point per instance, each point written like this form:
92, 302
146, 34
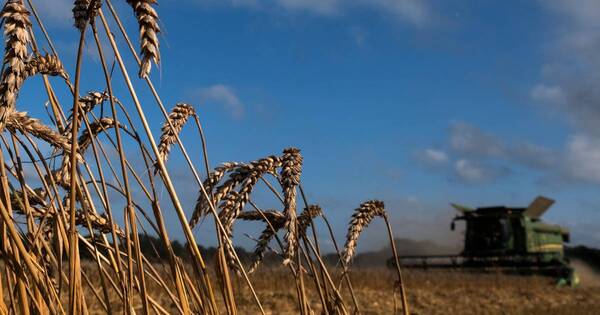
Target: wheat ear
94, 129
82, 14
263, 241
252, 172
86, 104
16, 22
361, 218
306, 217
291, 170
48, 65
180, 114
272, 216
22, 122
202, 207
149, 29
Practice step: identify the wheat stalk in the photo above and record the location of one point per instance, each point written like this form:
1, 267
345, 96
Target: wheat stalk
48, 65
177, 118
291, 170
149, 29
361, 218
16, 23
22, 122
62, 175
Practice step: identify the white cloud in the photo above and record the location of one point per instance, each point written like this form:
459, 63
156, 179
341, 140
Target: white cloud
573, 65
324, 7
583, 158
472, 141
433, 156
475, 172
223, 95
548, 94
415, 12
469, 171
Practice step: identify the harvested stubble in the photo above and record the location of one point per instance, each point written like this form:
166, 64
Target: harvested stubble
81, 201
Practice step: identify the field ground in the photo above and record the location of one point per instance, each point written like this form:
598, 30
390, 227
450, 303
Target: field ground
429, 292
445, 292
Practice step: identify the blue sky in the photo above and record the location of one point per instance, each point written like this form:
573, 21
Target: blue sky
417, 103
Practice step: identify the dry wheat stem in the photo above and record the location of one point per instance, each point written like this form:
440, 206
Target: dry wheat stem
177, 118
16, 22
361, 218
149, 29
62, 175
291, 170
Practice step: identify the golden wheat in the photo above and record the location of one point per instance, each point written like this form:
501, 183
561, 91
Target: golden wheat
149, 29
291, 169
361, 218
16, 23
47, 65
177, 118
63, 220
20, 121
201, 207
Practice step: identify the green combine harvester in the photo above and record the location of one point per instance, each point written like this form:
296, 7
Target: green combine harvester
507, 239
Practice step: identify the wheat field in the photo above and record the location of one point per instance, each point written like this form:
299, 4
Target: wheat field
69, 188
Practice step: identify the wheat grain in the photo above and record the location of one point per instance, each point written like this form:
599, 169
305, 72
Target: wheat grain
177, 118
291, 170
361, 218
149, 29
16, 23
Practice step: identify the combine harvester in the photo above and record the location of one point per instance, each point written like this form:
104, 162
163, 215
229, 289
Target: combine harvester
506, 239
